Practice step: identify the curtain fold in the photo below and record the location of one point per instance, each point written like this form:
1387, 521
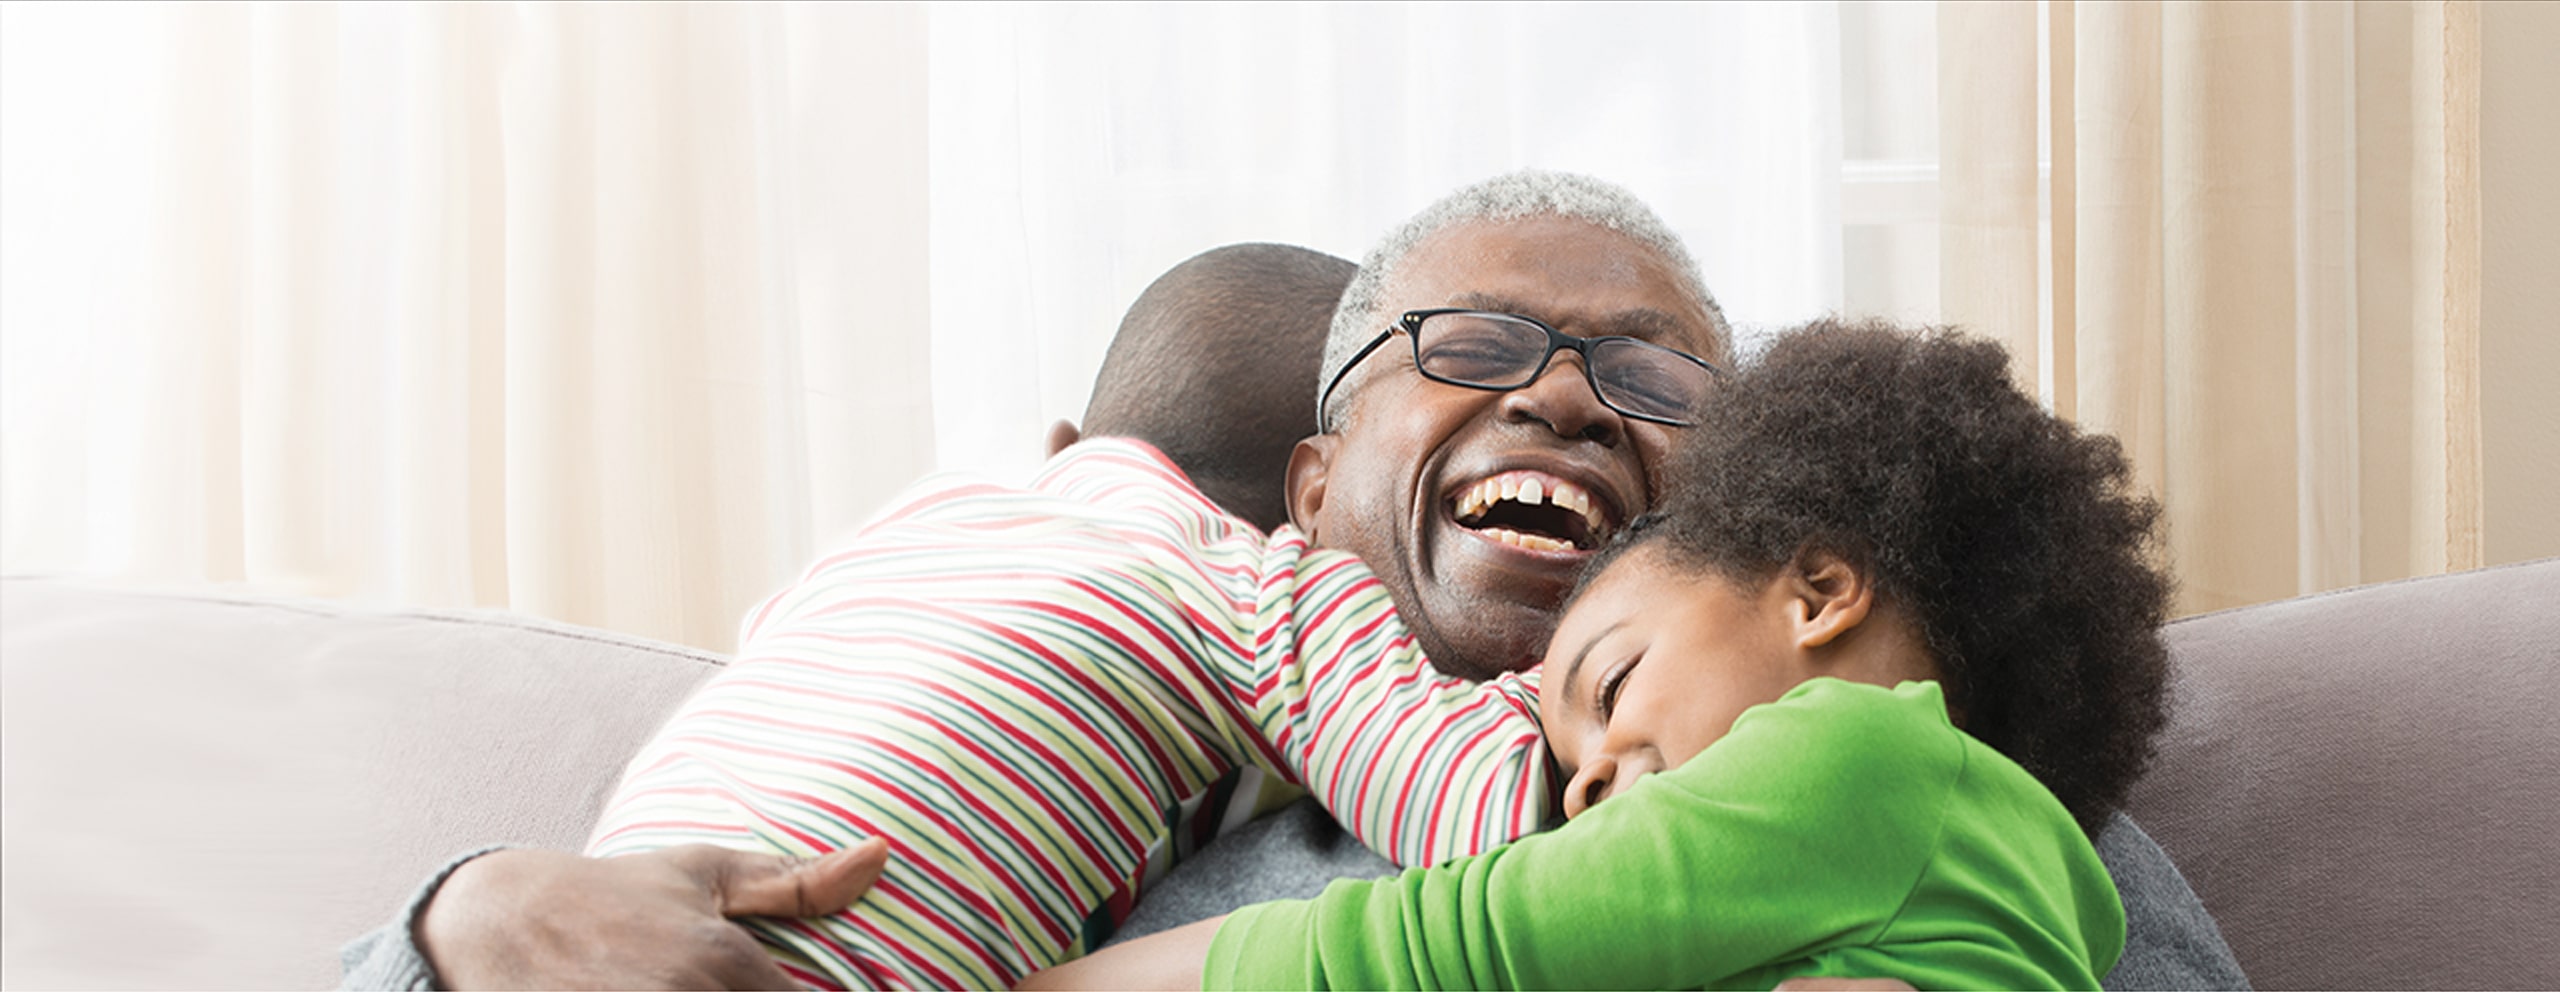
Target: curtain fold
484, 305
1988, 174
2272, 243
1080, 149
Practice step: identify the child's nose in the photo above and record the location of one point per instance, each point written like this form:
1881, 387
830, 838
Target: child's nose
1590, 785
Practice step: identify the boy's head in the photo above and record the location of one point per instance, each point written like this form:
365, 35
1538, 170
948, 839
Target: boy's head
1212, 366
1876, 505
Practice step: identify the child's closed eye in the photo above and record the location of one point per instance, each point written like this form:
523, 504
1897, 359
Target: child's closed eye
1611, 683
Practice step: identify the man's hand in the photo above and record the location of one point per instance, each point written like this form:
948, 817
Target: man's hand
524, 919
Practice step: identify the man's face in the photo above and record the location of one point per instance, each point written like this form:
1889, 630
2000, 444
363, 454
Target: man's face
1414, 480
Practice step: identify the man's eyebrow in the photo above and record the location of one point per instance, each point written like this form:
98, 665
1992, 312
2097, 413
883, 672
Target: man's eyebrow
1573, 670
1646, 323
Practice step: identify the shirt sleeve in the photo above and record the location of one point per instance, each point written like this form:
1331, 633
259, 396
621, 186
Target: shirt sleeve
1298, 658
388, 956
1421, 767
1803, 829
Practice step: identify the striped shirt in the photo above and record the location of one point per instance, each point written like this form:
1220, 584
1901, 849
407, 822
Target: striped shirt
1025, 688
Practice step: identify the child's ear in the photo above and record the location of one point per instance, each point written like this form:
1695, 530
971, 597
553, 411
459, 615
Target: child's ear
1309, 463
1831, 596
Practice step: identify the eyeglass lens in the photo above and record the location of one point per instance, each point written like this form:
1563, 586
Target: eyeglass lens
1502, 352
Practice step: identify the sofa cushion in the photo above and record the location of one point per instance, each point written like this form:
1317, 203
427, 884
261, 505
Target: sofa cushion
2364, 786
209, 792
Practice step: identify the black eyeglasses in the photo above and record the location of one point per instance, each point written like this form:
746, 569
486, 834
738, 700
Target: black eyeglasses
1481, 349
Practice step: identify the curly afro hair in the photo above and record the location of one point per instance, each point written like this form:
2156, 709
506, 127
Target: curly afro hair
2013, 541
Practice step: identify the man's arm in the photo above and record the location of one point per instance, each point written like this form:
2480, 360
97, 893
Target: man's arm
549, 919
1290, 854
2170, 941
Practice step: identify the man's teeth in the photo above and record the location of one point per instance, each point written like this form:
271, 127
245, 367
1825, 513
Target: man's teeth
1475, 501
1533, 542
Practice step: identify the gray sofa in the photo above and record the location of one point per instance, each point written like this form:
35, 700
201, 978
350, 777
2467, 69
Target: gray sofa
215, 791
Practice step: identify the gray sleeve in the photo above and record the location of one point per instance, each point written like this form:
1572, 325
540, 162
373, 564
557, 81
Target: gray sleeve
388, 957
1290, 854
2170, 941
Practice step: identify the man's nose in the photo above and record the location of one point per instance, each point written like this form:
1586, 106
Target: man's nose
1562, 398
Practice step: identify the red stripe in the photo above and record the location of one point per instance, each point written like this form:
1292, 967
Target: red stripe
1448, 794
1396, 813
922, 503
755, 622
874, 972
809, 978
1168, 678
901, 851
905, 852
1165, 764
968, 796
1126, 833
912, 957
1371, 669
1028, 688
1521, 823
1367, 713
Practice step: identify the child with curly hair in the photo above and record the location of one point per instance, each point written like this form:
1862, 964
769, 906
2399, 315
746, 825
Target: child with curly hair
1851, 705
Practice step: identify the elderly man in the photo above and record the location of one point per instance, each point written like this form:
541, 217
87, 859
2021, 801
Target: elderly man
1473, 486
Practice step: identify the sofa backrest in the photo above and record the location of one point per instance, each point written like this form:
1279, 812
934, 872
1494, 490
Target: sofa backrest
215, 792
2364, 786
207, 791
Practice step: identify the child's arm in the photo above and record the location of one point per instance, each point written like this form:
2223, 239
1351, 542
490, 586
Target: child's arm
1295, 660
1167, 960
1808, 829
1421, 766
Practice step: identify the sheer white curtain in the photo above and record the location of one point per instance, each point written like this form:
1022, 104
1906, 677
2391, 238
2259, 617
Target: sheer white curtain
1080, 150
615, 313
560, 308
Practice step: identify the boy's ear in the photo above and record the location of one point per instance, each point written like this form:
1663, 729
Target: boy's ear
1830, 596
1063, 435
1309, 464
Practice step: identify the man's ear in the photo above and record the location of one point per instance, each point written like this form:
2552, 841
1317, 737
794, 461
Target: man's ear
1830, 596
1063, 435
1309, 464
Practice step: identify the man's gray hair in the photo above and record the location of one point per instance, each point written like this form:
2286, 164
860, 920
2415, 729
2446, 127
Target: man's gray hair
1511, 196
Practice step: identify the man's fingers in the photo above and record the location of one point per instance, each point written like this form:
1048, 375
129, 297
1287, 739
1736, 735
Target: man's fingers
739, 962
747, 884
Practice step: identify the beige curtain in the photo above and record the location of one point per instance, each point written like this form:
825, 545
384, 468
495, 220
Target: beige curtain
2262, 266
603, 313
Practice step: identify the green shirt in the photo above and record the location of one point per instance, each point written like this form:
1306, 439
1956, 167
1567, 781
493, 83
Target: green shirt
1845, 829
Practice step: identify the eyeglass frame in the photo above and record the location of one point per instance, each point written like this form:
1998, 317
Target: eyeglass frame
1410, 322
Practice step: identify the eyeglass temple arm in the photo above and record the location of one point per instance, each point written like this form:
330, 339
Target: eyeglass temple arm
1325, 399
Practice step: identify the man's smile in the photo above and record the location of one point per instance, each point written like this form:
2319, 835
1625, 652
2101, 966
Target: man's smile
1535, 511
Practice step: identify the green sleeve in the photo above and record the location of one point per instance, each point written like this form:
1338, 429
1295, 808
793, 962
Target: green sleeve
1804, 829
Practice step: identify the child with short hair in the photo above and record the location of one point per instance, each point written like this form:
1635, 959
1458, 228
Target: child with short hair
1850, 705
1031, 690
